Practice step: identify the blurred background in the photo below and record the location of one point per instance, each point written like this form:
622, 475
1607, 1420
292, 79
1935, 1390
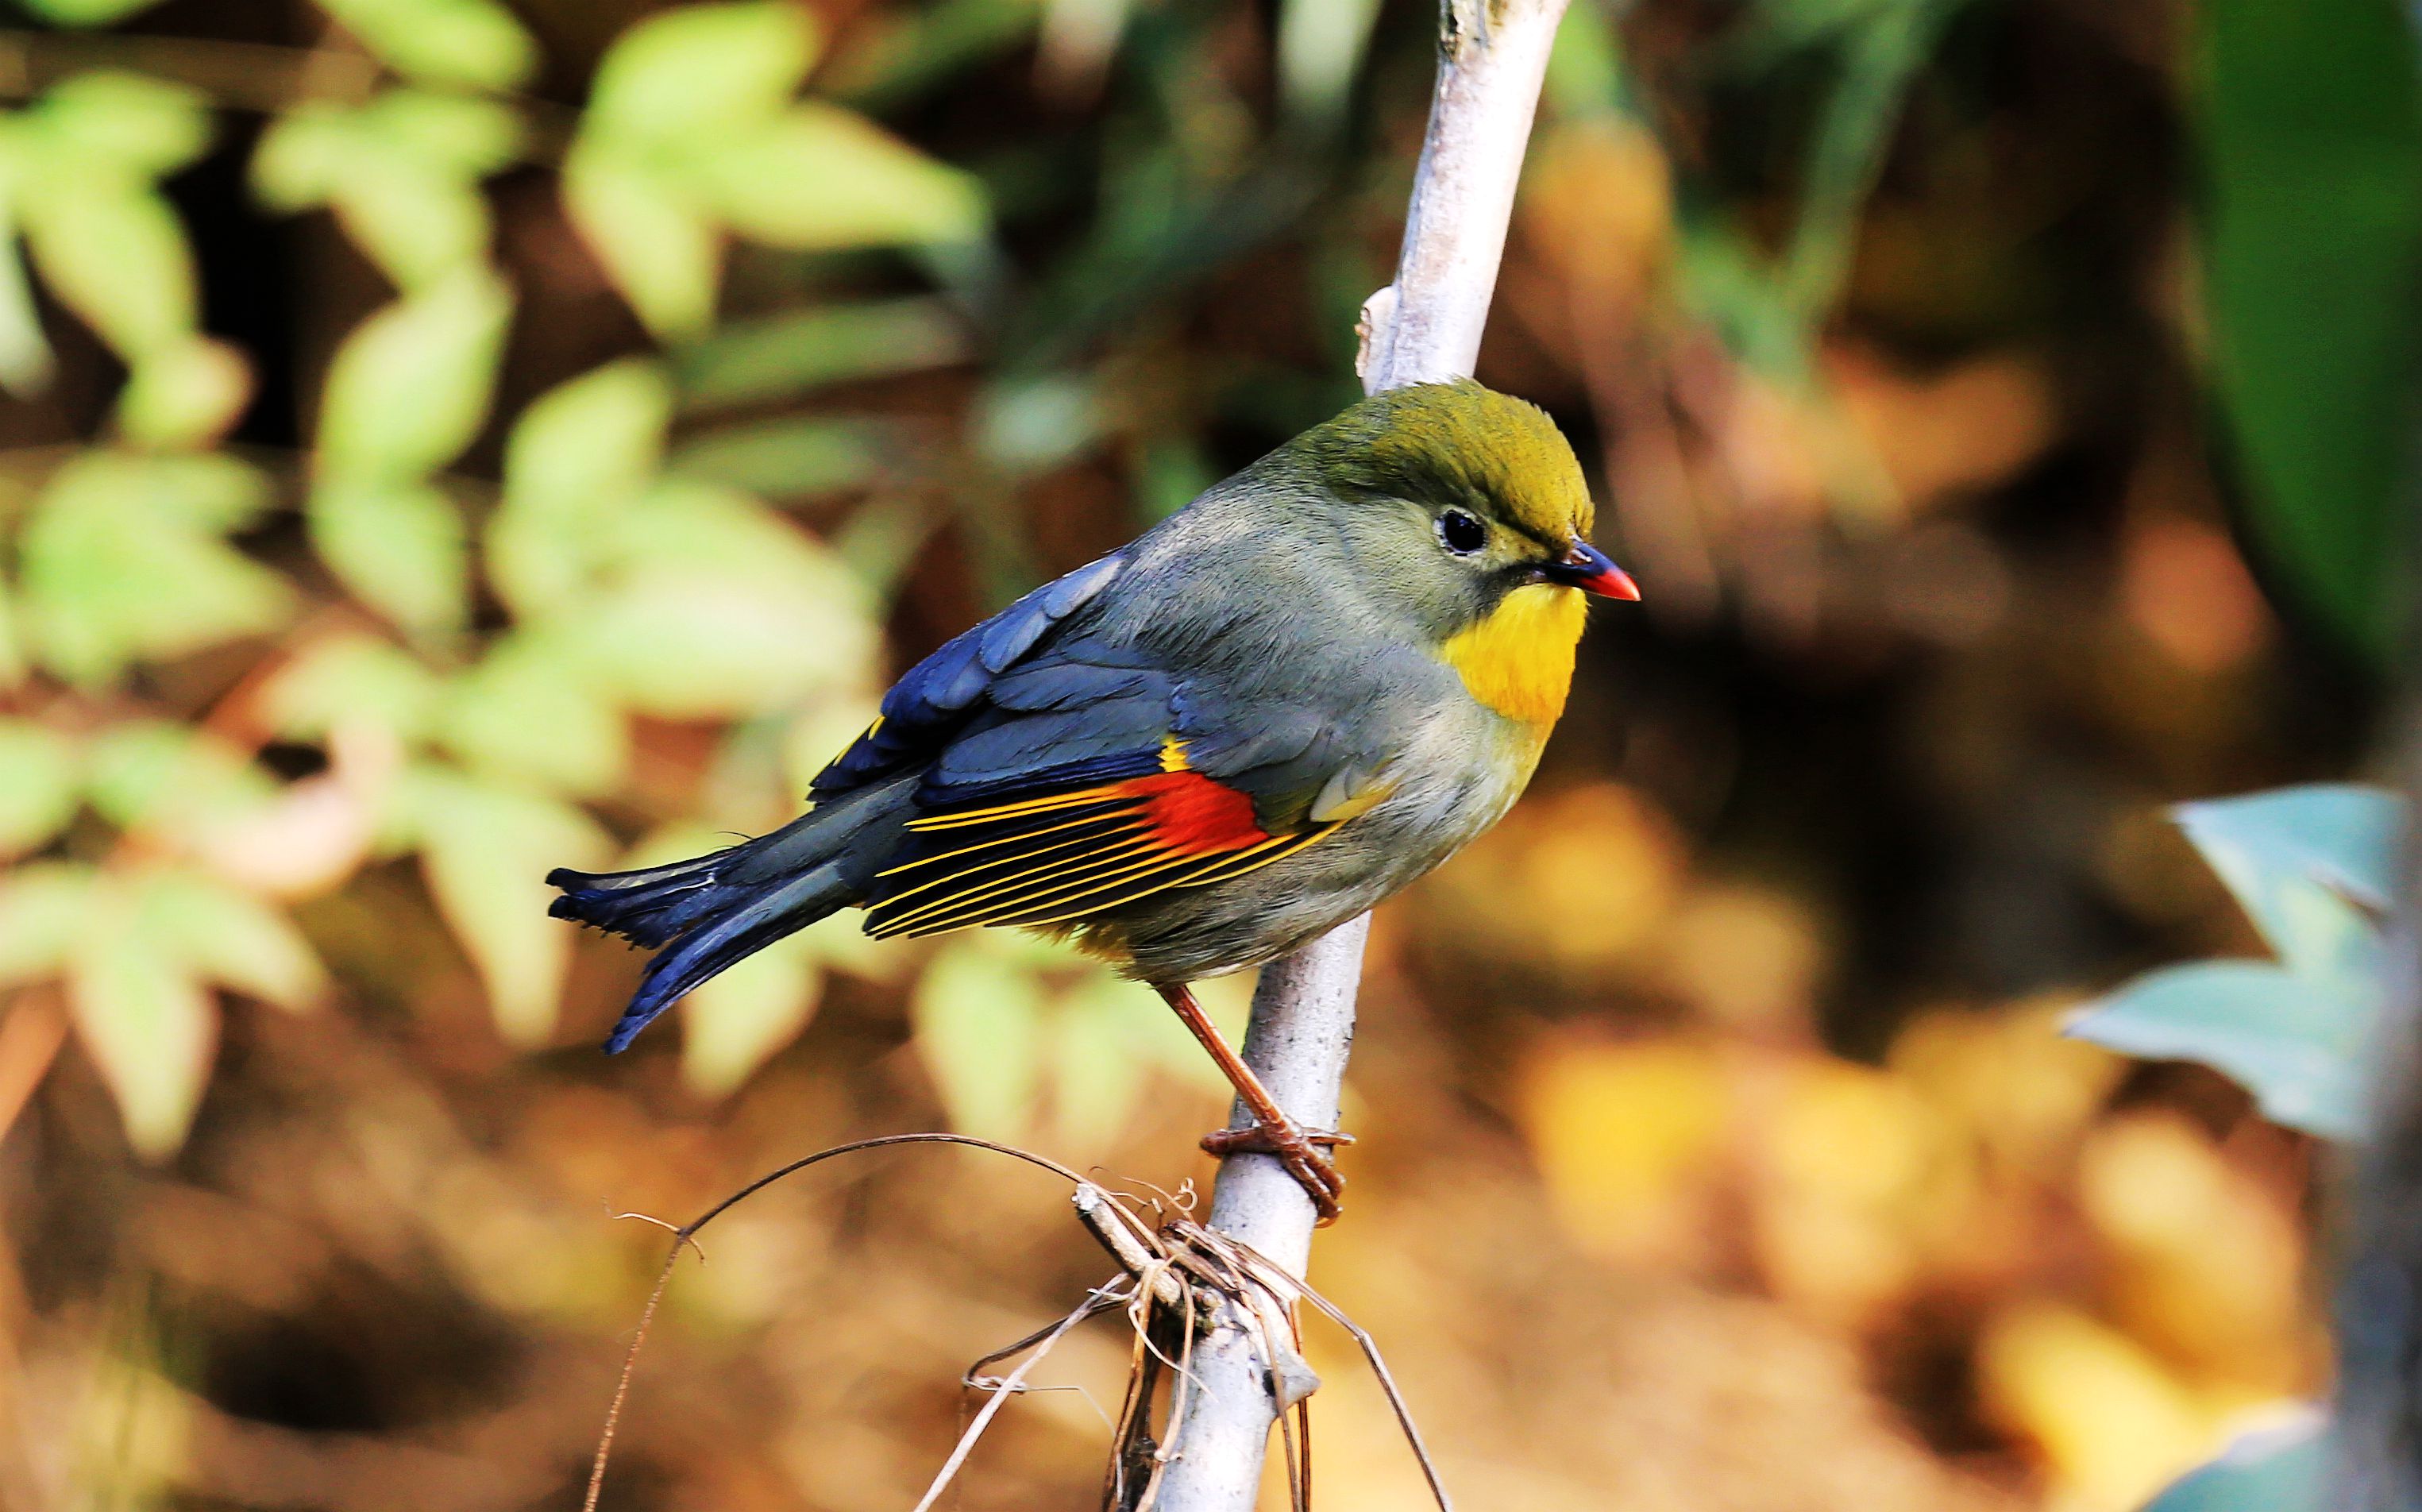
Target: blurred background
446, 439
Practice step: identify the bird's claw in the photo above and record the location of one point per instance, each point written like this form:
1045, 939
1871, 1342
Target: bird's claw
1303, 1151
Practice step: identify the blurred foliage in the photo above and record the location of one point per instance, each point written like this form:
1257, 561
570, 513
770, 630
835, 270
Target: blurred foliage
2310, 123
629, 590
2278, 1469
447, 439
2314, 868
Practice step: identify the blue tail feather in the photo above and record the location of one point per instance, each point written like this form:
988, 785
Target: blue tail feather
710, 911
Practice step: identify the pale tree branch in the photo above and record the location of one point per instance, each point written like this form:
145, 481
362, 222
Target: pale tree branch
1423, 327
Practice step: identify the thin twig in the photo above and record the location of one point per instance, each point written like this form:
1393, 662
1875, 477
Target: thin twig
1101, 1299
686, 1236
622, 1382
1009, 1387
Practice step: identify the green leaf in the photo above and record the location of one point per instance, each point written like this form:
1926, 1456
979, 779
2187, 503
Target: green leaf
657, 246
794, 457
206, 492
39, 781
473, 43
87, 12
12, 649
401, 171
230, 937
42, 910
188, 393
409, 388
700, 73
1032, 423
417, 224
2278, 1469
83, 165
599, 435
2270, 848
122, 562
578, 455
2311, 124
113, 251
399, 547
524, 713
133, 124
718, 607
485, 849
348, 680
788, 354
460, 134
822, 178
146, 1020
155, 774
25, 363
2299, 1045
1321, 44
737, 1019
978, 1015
304, 154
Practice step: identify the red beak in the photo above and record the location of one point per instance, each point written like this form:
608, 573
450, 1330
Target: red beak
1590, 570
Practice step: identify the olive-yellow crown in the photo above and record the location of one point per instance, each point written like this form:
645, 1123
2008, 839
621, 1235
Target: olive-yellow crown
1457, 442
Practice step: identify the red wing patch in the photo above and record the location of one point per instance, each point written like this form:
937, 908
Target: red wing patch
1056, 857
1189, 814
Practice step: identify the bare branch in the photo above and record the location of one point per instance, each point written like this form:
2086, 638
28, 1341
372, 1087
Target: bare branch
1425, 326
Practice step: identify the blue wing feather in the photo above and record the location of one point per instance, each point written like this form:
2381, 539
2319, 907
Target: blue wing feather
934, 697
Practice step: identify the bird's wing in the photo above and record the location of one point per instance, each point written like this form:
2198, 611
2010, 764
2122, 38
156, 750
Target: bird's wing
939, 696
1094, 778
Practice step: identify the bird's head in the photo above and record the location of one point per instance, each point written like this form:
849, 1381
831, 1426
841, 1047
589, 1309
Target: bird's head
1456, 498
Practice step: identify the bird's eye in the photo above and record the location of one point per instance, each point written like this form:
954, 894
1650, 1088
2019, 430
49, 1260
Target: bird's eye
1461, 533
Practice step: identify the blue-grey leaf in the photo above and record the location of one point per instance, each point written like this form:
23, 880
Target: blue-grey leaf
2276, 1469
2296, 1043
2273, 848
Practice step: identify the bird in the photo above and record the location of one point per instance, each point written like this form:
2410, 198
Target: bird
1271, 710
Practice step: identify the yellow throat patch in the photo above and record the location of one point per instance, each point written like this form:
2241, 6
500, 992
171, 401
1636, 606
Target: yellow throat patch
1519, 661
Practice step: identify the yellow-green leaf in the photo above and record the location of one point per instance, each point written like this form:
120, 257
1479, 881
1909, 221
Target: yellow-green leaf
186, 393
39, 786
485, 849
738, 1019
147, 1023
409, 388
399, 547
525, 714
159, 775
473, 43
121, 561
351, 679
657, 246
579, 455
109, 246
230, 937
698, 73
134, 123
42, 912
26, 362
821, 177
87, 12
717, 607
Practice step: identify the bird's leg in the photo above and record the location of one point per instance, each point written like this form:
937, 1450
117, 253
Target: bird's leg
1271, 1132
